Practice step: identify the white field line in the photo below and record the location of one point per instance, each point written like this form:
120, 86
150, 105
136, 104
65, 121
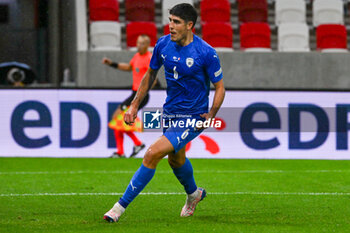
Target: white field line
174, 193
167, 172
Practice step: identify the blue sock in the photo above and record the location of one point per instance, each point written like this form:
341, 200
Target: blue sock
185, 175
140, 179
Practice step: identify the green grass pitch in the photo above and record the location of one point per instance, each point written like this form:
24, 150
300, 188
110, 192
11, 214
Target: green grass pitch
71, 195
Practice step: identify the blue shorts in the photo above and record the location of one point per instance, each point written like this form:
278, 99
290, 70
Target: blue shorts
179, 135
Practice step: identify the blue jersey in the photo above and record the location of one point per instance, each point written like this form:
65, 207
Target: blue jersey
188, 72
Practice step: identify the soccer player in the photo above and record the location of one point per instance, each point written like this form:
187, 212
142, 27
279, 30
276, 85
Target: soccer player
190, 64
138, 65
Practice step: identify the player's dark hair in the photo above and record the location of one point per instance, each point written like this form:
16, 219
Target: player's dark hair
185, 11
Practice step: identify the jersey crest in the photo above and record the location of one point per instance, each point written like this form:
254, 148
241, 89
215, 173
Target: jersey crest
189, 62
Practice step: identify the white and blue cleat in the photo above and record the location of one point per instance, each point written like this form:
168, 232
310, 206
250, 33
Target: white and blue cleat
192, 201
114, 214
111, 216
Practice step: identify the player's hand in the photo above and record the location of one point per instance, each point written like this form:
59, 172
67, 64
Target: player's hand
130, 116
206, 116
106, 61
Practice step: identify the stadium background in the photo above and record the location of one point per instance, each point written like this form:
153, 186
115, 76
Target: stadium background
53, 37
56, 39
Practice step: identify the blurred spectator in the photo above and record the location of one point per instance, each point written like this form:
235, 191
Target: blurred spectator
16, 74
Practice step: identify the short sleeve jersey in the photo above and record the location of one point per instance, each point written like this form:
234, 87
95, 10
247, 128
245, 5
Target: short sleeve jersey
188, 72
140, 64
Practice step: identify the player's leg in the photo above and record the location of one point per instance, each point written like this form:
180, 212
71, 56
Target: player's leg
141, 178
183, 171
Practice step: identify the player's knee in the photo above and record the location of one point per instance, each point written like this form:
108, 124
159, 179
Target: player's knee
172, 162
175, 162
152, 157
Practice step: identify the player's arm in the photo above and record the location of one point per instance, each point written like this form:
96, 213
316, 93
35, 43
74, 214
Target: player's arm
116, 65
218, 98
155, 83
146, 84
214, 71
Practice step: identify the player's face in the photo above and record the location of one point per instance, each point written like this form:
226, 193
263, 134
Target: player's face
142, 44
179, 29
